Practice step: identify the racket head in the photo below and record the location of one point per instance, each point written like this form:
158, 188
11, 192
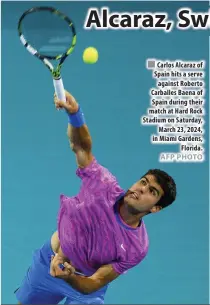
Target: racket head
37, 51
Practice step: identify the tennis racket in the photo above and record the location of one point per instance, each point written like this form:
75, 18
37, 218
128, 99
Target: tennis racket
49, 35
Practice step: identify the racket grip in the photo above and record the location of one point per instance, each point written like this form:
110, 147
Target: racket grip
59, 89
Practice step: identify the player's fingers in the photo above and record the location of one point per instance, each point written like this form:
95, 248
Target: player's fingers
68, 271
59, 104
69, 267
58, 107
64, 105
56, 101
68, 105
55, 262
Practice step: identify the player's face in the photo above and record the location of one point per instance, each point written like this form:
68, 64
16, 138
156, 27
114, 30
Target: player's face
143, 195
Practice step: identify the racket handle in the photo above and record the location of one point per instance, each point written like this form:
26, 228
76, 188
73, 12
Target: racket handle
59, 89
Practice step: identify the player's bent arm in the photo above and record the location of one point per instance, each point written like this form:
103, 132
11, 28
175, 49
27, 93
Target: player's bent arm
100, 278
81, 144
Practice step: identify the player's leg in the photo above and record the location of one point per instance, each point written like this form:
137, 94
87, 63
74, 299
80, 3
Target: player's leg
38, 286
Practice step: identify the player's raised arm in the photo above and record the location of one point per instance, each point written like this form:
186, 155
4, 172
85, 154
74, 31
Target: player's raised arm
78, 133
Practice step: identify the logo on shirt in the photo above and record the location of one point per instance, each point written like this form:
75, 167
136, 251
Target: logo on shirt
121, 246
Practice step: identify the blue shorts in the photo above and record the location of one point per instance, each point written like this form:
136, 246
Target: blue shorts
39, 287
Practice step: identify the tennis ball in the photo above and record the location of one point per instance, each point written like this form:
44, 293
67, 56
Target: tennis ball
90, 55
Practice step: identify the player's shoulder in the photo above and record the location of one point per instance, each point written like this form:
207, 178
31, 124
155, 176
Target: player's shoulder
96, 170
106, 175
89, 170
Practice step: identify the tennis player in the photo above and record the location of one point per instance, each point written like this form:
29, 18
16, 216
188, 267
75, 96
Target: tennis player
100, 233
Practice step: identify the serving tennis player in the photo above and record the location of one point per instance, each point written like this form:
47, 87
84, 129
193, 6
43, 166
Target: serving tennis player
100, 232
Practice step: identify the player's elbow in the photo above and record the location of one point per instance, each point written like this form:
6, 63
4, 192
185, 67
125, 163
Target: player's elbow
91, 286
89, 290
85, 289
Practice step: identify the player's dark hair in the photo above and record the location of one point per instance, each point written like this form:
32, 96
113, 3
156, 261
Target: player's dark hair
168, 185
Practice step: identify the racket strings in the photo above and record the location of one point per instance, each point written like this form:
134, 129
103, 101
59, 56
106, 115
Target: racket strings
48, 33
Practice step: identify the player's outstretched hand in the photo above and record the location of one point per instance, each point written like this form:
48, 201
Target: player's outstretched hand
70, 105
55, 269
